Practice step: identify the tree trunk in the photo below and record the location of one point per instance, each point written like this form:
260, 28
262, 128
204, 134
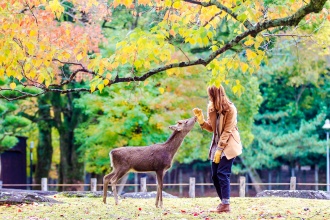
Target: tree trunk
66, 119
44, 148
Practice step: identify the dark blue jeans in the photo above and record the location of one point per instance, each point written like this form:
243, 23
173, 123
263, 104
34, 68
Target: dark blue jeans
221, 177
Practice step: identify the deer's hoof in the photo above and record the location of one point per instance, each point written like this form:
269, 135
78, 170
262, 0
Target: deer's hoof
104, 201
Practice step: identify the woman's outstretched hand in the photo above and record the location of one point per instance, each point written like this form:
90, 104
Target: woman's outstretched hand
199, 114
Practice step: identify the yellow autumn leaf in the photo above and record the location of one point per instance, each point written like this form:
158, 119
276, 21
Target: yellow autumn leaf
146, 64
138, 63
92, 88
100, 87
79, 56
56, 7
170, 72
30, 47
217, 82
235, 89
244, 67
33, 33
66, 55
146, 82
161, 90
106, 82
176, 5
205, 40
192, 41
214, 48
249, 42
250, 54
12, 85
37, 63
47, 83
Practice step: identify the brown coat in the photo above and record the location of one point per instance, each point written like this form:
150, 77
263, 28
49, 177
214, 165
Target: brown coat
228, 131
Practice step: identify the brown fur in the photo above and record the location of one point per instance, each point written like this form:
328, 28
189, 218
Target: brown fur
154, 158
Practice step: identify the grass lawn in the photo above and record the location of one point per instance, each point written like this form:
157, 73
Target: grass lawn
182, 208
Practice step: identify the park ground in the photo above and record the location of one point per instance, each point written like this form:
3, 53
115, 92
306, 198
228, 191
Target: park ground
174, 208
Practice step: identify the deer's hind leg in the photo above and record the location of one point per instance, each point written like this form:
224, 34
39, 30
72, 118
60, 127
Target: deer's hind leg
106, 180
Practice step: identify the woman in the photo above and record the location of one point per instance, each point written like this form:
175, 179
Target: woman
226, 143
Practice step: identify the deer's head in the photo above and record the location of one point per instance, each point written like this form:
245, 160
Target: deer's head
184, 125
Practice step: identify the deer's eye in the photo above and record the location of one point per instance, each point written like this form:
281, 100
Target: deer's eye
186, 122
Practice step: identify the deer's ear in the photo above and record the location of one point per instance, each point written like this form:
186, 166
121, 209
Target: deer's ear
175, 128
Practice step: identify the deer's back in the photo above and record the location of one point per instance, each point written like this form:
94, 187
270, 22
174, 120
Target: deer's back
142, 159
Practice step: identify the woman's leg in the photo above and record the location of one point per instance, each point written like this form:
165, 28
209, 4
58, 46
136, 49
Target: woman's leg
216, 183
223, 174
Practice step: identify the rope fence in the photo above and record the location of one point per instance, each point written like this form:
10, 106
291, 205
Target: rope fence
192, 185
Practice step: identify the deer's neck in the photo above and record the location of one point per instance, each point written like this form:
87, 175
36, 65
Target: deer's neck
174, 141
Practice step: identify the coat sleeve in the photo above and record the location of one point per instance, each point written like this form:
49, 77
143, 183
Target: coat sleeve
229, 125
207, 124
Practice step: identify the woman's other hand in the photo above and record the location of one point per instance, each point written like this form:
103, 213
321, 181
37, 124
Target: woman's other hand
217, 155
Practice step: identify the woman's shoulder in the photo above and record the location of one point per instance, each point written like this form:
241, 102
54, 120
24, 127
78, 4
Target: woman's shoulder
232, 107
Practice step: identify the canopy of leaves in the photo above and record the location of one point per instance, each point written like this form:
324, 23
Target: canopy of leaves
34, 44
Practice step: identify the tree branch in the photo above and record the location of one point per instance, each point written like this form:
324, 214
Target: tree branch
216, 15
285, 35
25, 94
246, 23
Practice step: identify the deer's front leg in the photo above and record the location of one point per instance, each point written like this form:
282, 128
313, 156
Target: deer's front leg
159, 196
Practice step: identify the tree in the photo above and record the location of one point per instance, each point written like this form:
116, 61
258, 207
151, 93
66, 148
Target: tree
34, 44
295, 90
11, 125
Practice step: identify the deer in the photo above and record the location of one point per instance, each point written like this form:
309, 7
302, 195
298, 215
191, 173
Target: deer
154, 158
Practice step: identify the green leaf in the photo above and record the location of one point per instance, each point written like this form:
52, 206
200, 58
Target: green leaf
242, 17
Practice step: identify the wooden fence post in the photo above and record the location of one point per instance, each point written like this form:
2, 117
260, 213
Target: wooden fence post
44, 185
180, 182
192, 187
143, 184
316, 176
135, 182
242, 186
93, 184
293, 183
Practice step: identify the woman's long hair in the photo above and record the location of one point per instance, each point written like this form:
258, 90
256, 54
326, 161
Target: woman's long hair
219, 98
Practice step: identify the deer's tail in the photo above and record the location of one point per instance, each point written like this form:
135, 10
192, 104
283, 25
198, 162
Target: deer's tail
110, 155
